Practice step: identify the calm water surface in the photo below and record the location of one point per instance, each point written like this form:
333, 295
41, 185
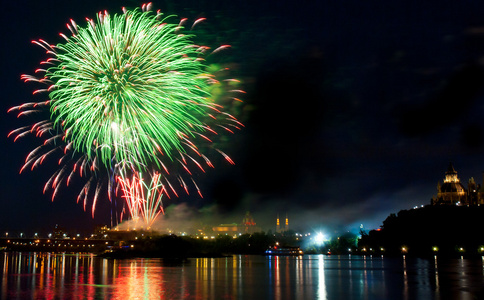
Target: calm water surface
82, 276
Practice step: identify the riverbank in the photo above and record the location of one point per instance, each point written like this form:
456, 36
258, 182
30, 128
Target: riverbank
450, 231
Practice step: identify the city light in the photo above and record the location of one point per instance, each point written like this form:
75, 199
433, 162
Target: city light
319, 239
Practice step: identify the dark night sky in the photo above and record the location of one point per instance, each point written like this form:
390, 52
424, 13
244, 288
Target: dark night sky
353, 110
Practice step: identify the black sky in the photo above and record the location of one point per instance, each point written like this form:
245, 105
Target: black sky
353, 110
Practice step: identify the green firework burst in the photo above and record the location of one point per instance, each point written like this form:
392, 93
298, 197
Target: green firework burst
127, 87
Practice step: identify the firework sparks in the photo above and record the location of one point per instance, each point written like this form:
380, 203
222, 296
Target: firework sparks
129, 94
143, 200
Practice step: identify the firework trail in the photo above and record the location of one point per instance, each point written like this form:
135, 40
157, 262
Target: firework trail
143, 200
129, 94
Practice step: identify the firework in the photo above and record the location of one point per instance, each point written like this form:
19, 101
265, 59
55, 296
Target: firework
144, 201
129, 94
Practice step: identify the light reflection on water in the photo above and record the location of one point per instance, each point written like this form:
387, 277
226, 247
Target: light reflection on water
84, 276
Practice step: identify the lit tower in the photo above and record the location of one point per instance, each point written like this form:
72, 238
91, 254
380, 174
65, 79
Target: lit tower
278, 224
286, 227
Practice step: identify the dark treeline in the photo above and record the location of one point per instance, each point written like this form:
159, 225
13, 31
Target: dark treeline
442, 230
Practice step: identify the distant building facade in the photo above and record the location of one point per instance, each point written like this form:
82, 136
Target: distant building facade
248, 226
453, 192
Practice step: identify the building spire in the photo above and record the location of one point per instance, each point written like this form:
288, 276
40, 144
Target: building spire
451, 169
451, 174
286, 227
278, 224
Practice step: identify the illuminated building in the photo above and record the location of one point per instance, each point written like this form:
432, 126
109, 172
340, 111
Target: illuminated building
248, 226
286, 226
453, 192
59, 232
279, 229
248, 221
100, 231
278, 224
227, 228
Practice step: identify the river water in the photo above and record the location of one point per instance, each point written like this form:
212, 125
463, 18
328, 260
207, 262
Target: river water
31, 275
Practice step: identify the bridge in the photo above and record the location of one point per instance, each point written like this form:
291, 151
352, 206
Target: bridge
58, 244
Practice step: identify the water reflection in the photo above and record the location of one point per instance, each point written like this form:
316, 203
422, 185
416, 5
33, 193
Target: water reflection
321, 283
84, 276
